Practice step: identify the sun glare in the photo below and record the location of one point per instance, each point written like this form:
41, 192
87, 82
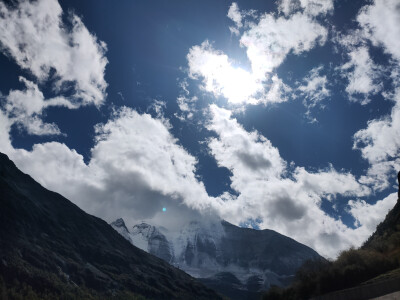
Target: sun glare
238, 85
221, 78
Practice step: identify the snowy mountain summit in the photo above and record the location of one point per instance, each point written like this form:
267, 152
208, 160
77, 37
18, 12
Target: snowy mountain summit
146, 237
218, 251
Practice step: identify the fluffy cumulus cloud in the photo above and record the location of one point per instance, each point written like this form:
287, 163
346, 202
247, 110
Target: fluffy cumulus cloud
136, 168
247, 155
35, 36
286, 199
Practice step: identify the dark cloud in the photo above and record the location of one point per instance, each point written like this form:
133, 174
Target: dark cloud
254, 161
287, 208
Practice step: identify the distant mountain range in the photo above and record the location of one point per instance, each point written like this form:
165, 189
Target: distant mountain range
51, 249
238, 262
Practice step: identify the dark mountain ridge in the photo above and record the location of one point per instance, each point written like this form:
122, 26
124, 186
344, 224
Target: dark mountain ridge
51, 248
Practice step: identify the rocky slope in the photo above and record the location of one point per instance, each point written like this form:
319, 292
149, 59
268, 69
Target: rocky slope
50, 249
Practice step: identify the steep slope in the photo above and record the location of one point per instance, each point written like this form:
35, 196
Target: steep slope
386, 238
51, 247
230, 259
372, 270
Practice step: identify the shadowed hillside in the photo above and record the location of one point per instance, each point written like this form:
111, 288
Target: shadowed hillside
376, 261
51, 249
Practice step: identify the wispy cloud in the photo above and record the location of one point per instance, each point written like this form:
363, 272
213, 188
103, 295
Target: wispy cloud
362, 74
309, 7
380, 24
269, 41
313, 89
235, 15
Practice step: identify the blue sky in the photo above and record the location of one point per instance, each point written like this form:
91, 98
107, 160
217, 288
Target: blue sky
272, 114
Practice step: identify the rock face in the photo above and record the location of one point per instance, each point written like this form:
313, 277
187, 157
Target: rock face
51, 246
224, 255
147, 238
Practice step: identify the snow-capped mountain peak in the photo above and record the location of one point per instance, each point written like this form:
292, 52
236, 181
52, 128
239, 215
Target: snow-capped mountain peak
256, 258
120, 227
146, 237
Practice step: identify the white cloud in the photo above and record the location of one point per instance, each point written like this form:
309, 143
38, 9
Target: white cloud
136, 169
379, 144
287, 7
5, 127
317, 7
286, 200
310, 7
239, 17
313, 90
369, 216
235, 15
381, 139
34, 35
186, 105
363, 75
272, 39
63, 55
25, 108
247, 155
380, 22
278, 91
